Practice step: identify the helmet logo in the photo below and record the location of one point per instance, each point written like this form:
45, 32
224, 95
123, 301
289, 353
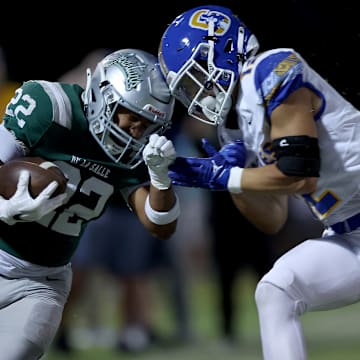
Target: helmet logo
200, 20
131, 66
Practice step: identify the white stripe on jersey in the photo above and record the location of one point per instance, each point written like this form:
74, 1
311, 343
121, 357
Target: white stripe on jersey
62, 113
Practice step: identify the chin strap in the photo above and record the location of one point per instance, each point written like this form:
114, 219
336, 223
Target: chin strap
85, 94
211, 40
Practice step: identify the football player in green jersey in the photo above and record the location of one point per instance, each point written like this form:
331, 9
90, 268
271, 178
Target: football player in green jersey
106, 138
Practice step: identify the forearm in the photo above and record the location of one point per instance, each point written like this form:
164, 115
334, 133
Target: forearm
159, 207
268, 212
162, 200
262, 195
269, 179
157, 210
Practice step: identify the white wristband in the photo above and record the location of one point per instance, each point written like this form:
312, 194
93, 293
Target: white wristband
162, 217
234, 182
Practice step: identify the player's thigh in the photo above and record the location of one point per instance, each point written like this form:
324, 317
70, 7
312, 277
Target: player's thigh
322, 273
27, 328
30, 314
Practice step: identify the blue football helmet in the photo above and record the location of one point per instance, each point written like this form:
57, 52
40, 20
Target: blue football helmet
201, 55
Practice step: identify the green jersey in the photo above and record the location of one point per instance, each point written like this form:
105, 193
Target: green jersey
48, 119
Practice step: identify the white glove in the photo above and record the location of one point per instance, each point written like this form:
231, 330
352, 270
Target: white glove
22, 207
158, 154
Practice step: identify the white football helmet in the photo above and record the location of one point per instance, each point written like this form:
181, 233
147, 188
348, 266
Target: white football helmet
130, 78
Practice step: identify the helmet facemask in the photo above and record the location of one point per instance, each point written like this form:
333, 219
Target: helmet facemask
202, 87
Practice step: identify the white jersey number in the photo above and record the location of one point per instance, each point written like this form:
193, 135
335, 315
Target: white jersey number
93, 192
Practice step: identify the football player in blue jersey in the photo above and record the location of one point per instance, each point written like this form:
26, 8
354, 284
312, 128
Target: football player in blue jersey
107, 139
284, 130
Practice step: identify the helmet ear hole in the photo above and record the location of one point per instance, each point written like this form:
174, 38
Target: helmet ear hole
93, 98
229, 46
103, 83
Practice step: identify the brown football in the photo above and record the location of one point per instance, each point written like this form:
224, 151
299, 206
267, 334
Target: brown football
42, 173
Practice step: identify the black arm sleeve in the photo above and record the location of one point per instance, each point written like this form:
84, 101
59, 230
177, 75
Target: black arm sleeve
297, 155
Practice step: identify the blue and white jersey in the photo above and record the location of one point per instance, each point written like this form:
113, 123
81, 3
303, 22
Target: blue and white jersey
266, 81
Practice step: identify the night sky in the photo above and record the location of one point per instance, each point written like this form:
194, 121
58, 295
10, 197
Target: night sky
43, 43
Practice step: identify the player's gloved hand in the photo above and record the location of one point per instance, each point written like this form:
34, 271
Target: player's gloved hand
209, 173
22, 207
234, 152
158, 154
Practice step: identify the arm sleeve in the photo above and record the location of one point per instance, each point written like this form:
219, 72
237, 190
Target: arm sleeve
10, 147
125, 192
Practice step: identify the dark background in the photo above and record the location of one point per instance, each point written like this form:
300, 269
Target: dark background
43, 42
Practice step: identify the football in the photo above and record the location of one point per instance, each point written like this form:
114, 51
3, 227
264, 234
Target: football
42, 172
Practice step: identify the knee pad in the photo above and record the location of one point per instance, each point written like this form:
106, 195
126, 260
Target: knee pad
271, 296
267, 294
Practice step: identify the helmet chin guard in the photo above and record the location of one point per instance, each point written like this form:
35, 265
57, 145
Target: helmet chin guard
132, 79
201, 54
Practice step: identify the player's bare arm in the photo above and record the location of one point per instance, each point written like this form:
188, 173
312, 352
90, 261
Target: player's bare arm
268, 212
161, 201
157, 206
294, 117
264, 200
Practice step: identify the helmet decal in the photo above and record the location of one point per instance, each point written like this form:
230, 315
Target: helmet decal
200, 20
152, 109
133, 68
